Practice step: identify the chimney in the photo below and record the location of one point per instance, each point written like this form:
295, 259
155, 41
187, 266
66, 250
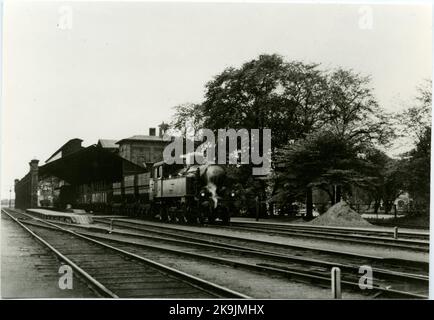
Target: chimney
34, 181
152, 131
162, 128
33, 164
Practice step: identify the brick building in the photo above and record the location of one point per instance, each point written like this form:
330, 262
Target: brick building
144, 150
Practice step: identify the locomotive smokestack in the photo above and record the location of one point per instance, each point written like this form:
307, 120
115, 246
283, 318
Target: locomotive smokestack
152, 131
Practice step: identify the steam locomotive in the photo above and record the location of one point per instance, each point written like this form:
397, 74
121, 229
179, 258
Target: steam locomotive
170, 193
190, 194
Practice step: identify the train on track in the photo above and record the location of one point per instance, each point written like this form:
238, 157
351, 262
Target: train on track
171, 193
190, 194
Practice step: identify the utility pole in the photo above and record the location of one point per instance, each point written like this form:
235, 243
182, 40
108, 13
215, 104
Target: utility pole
10, 198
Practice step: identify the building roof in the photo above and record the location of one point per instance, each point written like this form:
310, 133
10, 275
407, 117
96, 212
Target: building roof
144, 138
90, 164
69, 142
108, 144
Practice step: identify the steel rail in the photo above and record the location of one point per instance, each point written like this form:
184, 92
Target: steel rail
260, 268
192, 280
386, 242
144, 226
361, 230
329, 231
95, 283
268, 269
263, 253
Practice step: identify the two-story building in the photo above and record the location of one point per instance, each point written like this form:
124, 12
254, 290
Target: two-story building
144, 150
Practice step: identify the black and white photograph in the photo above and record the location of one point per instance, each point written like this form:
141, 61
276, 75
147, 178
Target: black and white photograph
222, 151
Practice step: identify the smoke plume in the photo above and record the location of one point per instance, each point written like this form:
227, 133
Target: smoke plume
213, 190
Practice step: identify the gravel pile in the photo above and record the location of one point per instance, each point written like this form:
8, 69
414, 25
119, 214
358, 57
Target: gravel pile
341, 215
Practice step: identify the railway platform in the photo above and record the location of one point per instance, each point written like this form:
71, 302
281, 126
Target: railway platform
29, 270
77, 218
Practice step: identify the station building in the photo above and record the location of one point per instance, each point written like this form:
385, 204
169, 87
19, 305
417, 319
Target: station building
92, 177
143, 150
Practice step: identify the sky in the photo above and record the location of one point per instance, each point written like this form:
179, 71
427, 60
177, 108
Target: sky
112, 70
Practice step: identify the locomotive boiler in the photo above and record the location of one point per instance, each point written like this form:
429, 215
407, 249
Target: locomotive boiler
190, 194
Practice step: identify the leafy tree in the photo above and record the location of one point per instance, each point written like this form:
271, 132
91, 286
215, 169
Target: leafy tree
417, 172
333, 158
187, 116
416, 164
324, 124
352, 110
411, 172
389, 179
379, 163
415, 120
267, 92
323, 159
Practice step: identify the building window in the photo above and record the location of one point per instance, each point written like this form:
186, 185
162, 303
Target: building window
147, 154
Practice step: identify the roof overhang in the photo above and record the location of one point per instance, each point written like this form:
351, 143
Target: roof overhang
90, 164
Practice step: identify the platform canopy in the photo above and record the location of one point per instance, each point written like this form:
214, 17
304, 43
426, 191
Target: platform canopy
90, 164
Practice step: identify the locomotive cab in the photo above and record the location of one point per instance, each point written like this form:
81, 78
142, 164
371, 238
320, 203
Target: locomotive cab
164, 170
173, 193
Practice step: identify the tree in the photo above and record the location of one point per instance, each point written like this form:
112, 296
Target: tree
188, 116
411, 172
267, 92
299, 102
324, 160
415, 120
389, 179
417, 172
416, 164
333, 158
353, 112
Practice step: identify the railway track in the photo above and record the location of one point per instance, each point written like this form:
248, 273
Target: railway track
374, 232
390, 224
114, 272
390, 283
356, 236
171, 231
